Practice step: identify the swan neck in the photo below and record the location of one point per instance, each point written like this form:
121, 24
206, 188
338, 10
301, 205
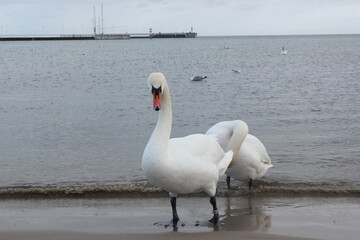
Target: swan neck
162, 130
240, 132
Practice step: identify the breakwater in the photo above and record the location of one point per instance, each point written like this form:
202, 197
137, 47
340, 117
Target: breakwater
96, 36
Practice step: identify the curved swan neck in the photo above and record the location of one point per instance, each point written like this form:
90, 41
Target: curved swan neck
162, 130
241, 130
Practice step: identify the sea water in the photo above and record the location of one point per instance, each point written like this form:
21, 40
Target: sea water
79, 113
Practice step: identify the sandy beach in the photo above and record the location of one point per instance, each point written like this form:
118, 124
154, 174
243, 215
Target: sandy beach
132, 218
162, 236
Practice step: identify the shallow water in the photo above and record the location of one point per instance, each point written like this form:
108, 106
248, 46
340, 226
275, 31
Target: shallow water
307, 217
77, 113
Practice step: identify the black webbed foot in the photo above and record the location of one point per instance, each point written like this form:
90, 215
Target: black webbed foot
213, 222
215, 219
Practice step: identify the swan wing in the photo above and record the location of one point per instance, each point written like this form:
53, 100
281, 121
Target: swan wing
256, 146
201, 151
196, 147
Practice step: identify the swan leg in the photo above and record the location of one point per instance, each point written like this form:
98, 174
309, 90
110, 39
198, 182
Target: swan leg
228, 181
173, 206
174, 223
250, 181
215, 218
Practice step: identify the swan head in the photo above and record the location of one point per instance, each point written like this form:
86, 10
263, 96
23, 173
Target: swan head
157, 84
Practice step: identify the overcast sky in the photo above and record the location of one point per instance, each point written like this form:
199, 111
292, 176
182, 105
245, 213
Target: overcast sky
207, 17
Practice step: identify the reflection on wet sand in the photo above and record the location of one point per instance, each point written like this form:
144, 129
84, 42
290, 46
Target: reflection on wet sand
245, 215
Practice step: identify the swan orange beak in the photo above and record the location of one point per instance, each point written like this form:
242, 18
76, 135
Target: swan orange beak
156, 98
157, 102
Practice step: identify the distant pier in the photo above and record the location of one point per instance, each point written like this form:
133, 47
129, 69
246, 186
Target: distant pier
45, 37
96, 36
164, 35
111, 36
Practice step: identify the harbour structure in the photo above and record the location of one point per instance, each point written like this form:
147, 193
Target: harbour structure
46, 37
164, 35
111, 36
124, 36
98, 34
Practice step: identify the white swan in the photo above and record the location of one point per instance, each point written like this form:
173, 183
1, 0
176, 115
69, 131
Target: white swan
251, 161
284, 51
181, 165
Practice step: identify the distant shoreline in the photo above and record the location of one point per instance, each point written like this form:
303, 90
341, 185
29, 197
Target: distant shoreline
124, 36
55, 37
283, 35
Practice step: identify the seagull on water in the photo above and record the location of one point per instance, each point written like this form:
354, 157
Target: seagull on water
198, 78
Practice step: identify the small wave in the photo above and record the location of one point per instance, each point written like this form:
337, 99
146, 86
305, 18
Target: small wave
146, 190
279, 191
78, 191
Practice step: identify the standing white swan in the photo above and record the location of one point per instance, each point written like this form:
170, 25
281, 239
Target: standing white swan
251, 161
181, 165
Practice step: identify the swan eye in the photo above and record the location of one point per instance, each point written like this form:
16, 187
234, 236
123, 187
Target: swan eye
156, 91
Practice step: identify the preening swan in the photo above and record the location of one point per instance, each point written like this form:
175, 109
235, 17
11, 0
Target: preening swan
181, 165
251, 161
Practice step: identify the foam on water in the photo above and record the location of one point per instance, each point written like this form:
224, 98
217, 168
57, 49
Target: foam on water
145, 190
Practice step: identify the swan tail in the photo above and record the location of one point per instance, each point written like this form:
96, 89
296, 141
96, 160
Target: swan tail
268, 165
225, 162
241, 130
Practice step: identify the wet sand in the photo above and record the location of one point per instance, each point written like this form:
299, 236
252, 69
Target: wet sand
162, 236
132, 218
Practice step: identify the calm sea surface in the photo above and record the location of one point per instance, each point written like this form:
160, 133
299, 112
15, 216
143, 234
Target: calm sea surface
80, 112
